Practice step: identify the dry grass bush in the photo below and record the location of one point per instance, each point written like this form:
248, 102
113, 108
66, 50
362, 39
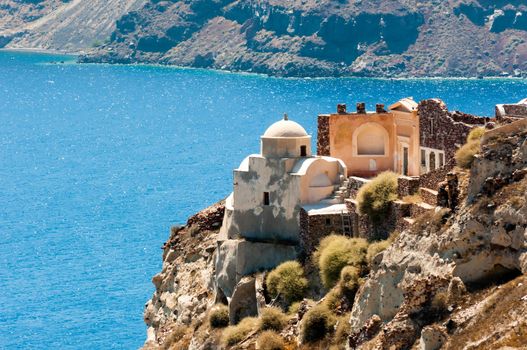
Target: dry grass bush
465, 155
219, 316
375, 248
293, 309
287, 280
375, 198
272, 318
342, 331
316, 324
413, 199
270, 340
234, 334
476, 134
439, 304
350, 282
335, 252
332, 299
177, 339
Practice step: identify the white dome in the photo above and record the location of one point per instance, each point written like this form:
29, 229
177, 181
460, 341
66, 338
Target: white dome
285, 128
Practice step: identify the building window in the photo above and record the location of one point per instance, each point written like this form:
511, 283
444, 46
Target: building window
328, 221
303, 151
441, 159
423, 157
432, 161
266, 198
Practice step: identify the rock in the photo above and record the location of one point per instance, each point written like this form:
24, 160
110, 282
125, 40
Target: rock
243, 302
238, 258
432, 338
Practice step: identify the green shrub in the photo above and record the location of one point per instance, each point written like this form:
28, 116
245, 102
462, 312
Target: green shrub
235, 334
333, 298
475, 134
287, 280
349, 282
272, 318
342, 331
375, 197
293, 309
336, 252
270, 340
465, 155
219, 316
375, 248
316, 324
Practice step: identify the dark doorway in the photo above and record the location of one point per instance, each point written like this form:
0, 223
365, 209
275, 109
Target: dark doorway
303, 151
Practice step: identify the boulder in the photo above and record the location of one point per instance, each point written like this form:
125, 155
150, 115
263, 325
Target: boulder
243, 302
432, 337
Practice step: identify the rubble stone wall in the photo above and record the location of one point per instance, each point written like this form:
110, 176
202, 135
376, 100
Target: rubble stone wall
439, 129
316, 227
323, 136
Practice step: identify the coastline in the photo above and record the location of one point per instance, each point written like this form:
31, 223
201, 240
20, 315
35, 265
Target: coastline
76, 55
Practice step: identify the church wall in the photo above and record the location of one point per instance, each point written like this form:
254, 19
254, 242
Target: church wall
256, 221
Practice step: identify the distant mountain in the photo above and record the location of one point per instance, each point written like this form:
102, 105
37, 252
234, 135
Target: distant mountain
395, 38
327, 37
63, 25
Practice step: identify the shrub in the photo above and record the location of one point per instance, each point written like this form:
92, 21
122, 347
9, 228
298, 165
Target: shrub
219, 316
375, 197
439, 304
465, 155
235, 334
475, 134
336, 252
349, 281
293, 309
375, 248
316, 324
270, 340
176, 338
333, 298
342, 331
288, 280
272, 318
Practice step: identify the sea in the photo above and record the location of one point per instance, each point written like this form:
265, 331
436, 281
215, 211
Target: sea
97, 162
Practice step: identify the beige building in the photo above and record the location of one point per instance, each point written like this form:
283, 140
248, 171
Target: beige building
271, 187
372, 142
261, 226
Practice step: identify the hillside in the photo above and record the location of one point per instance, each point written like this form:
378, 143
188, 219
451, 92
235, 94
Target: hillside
60, 25
399, 38
454, 280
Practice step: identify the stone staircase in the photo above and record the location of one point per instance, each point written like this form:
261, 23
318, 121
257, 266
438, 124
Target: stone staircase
340, 193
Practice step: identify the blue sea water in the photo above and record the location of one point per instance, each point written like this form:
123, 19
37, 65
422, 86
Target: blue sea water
98, 161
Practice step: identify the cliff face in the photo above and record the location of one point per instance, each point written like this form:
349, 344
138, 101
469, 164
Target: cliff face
326, 38
454, 279
67, 25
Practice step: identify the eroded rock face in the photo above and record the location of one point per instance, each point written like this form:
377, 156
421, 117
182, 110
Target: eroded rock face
430, 264
324, 38
185, 287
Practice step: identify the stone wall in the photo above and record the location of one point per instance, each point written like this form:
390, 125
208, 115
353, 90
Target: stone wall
407, 186
439, 130
323, 136
511, 111
354, 185
315, 227
432, 179
365, 228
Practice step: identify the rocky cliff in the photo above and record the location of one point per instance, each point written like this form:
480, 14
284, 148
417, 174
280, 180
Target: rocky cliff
454, 280
62, 25
326, 38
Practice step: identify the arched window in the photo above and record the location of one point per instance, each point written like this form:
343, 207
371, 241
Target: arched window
370, 139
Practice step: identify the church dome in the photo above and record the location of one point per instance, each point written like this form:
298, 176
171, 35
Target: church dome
285, 128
